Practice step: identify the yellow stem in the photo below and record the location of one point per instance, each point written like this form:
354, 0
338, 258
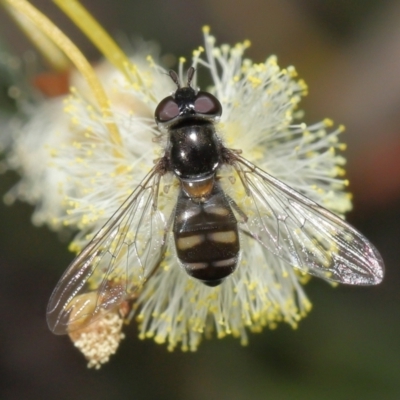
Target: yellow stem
73, 53
97, 35
56, 59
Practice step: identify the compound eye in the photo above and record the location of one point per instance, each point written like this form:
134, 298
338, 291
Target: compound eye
166, 110
206, 103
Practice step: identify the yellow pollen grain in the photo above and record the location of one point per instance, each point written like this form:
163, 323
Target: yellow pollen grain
198, 52
292, 71
247, 43
327, 122
272, 60
294, 100
254, 81
150, 60
340, 171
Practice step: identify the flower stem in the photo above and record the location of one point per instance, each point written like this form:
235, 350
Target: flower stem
73, 53
97, 35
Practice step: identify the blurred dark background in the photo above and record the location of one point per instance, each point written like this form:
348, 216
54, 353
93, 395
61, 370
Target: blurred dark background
349, 346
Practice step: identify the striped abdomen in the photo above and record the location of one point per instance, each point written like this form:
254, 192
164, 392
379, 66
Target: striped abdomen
206, 236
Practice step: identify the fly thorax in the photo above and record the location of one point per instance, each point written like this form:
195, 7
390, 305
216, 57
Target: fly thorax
194, 150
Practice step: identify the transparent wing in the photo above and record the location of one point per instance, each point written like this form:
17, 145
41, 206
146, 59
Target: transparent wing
117, 261
301, 232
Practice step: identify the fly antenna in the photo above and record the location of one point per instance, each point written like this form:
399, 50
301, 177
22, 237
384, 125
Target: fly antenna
174, 76
190, 75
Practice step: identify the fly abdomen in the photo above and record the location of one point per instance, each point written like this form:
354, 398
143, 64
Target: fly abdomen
206, 237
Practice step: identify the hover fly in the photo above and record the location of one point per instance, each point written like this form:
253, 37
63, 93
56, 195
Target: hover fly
206, 222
